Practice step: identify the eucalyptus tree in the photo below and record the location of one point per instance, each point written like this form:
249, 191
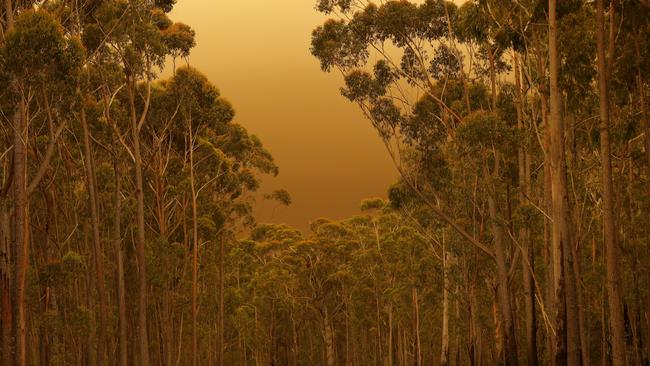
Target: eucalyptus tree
37, 55
439, 92
426, 36
613, 277
135, 35
356, 291
80, 90
462, 269
197, 149
627, 65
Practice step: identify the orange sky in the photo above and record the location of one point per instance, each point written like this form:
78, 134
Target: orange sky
257, 53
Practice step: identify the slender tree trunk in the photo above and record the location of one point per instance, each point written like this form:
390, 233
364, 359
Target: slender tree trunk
616, 321
119, 259
547, 202
21, 233
379, 354
143, 338
577, 265
498, 338
503, 288
577, 272
604, 355
474, 346
524, 233
97, 246
5, 284
529, 291
5, 262
444, 355
167, 327
503, 292
89, 300
493, 78
221, 299
179, 350
195, 251
398, 349
568, 351
458, 321
294, 334
328, 336
48, 291
418, 343
159, 187
389, 340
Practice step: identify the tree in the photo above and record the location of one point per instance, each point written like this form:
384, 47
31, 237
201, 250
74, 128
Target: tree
34, 38
615, 307
441, 102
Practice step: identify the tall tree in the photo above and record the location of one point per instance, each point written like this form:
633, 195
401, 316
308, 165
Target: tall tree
616, 321
564, 279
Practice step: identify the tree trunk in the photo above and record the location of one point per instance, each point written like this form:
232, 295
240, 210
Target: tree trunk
547, 202
389, 340
503, 291
195, 251
97, 246
328, 336
615, 306
5, 262
140, 238
160, 191
221, 299
294, 338
503, 288
5, 284
474, 331
416, 321
47, 292
524, 233
444, 355
21, 233
564, 286
604, 358
119, 259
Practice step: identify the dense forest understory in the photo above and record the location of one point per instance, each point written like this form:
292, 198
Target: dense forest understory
518, 231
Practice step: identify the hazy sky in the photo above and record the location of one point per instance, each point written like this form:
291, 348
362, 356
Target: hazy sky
257, 53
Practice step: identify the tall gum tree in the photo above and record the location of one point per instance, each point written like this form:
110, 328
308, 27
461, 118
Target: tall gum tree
30, 40
616, 321
417, 31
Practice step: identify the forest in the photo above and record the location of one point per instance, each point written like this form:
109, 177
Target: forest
517, 232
